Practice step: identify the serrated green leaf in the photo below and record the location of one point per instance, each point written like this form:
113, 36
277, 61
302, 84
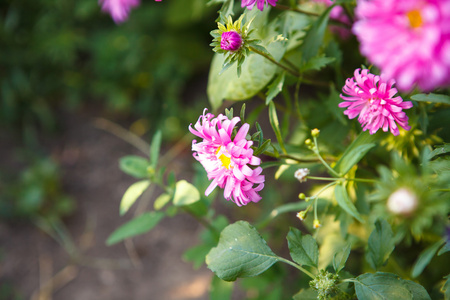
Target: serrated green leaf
132, 194
381, 286
273, 119
241, 252
303, 248
135, 166
155, 148
425, 258
340, 258
136, 226
275, 87
435, 98
185, 194
344, 202
380, 244
220, 289
161, 201
355, 152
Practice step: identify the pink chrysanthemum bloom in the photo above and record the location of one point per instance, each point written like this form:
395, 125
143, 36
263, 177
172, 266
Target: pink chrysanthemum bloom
372, 98
259, 3
227, 161
231, 41
409, 40
118, 9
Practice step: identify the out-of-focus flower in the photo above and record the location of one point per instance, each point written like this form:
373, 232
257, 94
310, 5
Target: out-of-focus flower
338, 13
409, 40
231, 41
118, 9
259, 3
316, 224
301, 174
227, 161
402, 202
372, 98
302, 215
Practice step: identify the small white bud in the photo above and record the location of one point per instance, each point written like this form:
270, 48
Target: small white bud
402, 202
301, 174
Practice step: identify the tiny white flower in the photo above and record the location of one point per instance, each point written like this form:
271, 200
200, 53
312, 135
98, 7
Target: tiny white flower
402, 202
301, 174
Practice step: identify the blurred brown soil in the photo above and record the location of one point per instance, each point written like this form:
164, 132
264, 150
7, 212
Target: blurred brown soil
147, 267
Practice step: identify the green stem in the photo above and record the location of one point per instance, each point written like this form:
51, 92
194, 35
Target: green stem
293, 72
316, 151
297, 266
342, 178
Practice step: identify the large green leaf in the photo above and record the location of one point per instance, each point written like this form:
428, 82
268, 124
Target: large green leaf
185, 194
380, 245
425, 258
435, 98
135, 166
340, 192
241, 252
132, 194
139, 225
387, 286
256, 73
303, 248
355, 152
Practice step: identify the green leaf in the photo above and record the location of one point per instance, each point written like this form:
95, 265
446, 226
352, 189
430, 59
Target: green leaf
185, 194
136, 226
273, 118
220, 290
340, 258
435, 98
241, 252
316, 63
161, 201
442, 149
303, 248
132, 194
340, 192
197, 254
380, 244
418, 291
314, 37
135, 166
381, 286
155, 148
355, 152
306, 294
425, 258
444, 249
275, 87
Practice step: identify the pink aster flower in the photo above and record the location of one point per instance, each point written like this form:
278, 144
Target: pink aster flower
227, 161
409, 40
118, 9
372, 98
259, 3
231, 41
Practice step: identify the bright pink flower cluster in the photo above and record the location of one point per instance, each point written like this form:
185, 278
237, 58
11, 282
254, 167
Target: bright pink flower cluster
409, 40
231, 41
227, 161
372, 98
259, 3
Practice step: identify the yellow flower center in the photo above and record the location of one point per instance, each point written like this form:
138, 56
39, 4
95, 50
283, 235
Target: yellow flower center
226, 161
415, 19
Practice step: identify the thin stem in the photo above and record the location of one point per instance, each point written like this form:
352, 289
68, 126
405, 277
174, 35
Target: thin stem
293, 72
316, 150
297, 266
342, 178
284, 7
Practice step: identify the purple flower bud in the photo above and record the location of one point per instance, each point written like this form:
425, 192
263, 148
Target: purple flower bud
231, 41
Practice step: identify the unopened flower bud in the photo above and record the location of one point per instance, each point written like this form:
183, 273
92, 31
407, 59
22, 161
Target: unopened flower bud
301, 174
302, 215
316, 224
231, 41
402, 202
301, 196
308, 142
315, 132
